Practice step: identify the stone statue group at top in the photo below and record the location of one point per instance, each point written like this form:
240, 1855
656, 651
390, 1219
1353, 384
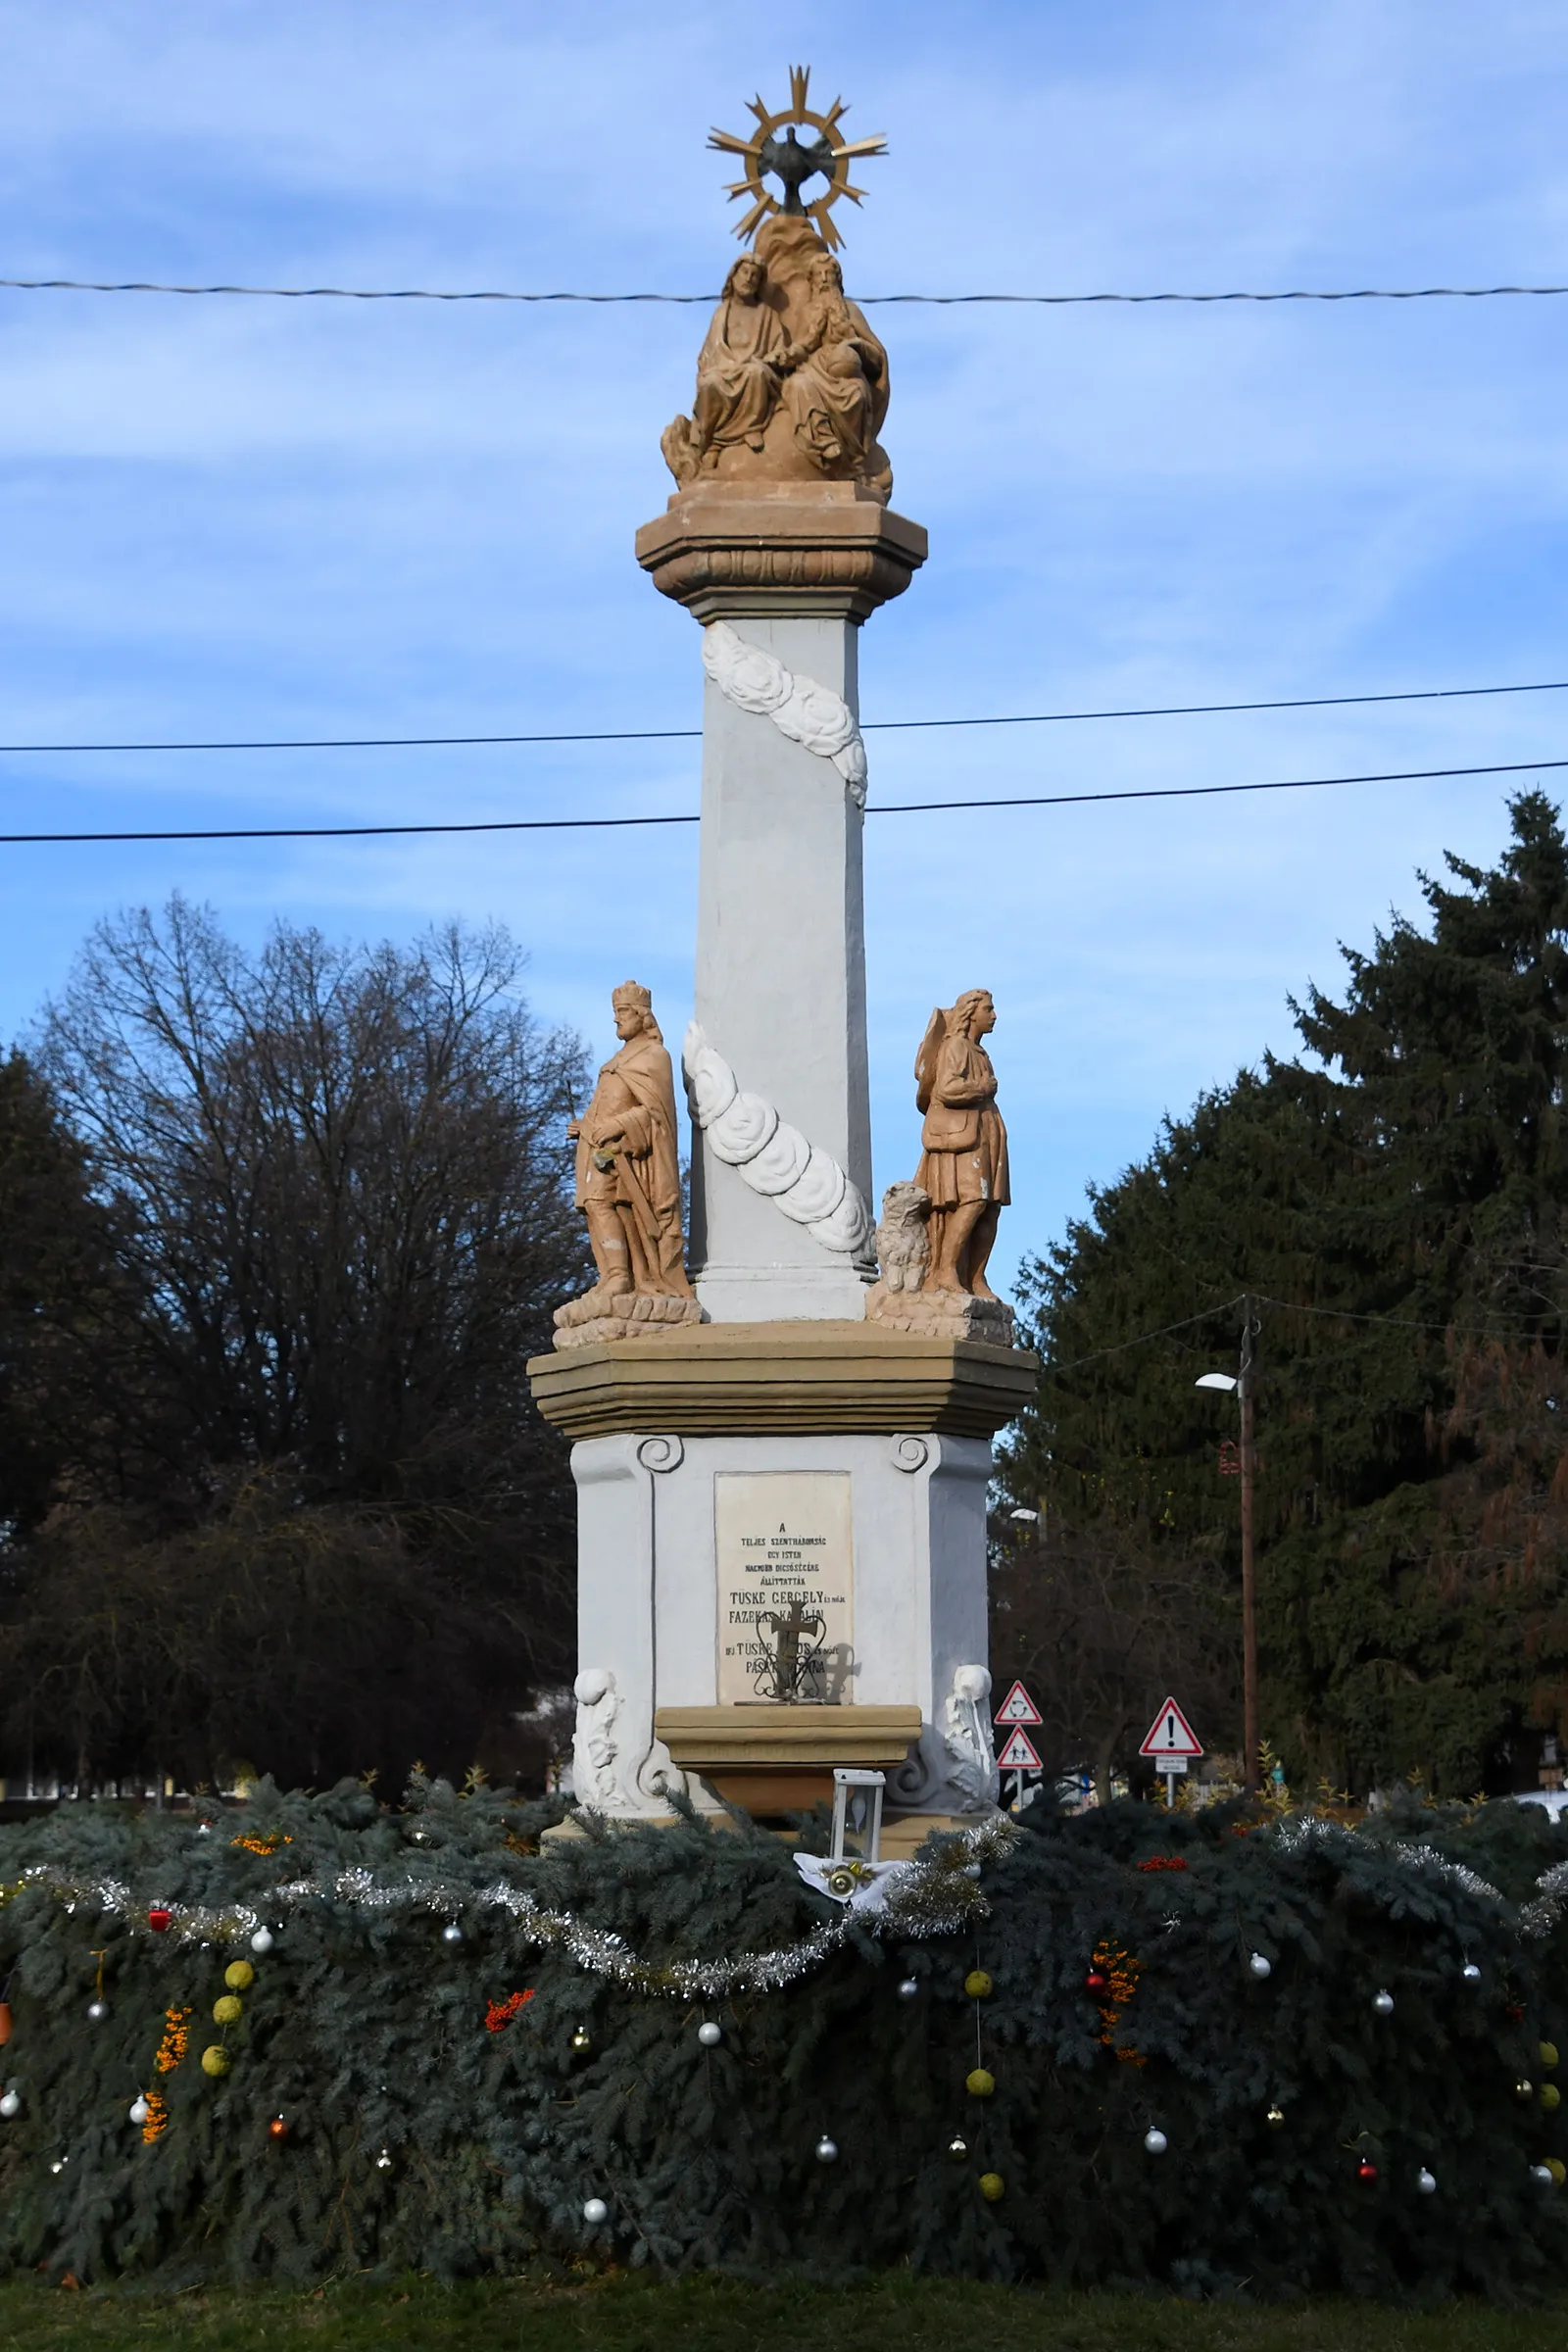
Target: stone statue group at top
792, 384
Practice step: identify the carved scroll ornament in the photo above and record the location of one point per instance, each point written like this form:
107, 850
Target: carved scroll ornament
813, 715
771, 1155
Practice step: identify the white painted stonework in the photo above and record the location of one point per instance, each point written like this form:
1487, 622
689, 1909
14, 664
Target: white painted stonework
803, 1182
755, 679
780, 978
653, 1609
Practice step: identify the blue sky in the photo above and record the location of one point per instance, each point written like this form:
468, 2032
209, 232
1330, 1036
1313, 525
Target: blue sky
237, 518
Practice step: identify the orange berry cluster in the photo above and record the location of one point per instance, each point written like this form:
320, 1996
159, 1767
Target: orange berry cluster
1121, 1971
500, 2013
170, 2051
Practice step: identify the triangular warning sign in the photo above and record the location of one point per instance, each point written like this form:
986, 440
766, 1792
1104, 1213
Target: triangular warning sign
1171, 1734
1018, 1755
1017, 1707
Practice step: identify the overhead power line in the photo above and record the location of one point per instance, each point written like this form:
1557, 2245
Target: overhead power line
886, 726
1289, 1306
1193, 792
594, 824
82, 286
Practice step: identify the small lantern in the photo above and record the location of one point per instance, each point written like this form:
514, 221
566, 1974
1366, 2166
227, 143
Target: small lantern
857, 1817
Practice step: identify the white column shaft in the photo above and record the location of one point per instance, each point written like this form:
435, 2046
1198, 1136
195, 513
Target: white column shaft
780, 984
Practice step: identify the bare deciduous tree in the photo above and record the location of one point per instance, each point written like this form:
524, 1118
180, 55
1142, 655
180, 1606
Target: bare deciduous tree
341, 1215
1102, 1628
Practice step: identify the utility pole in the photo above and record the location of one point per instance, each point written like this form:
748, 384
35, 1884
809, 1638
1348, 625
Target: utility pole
1243, 1393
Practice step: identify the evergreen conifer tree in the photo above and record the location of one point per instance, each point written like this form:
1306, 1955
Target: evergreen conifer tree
1395, 1204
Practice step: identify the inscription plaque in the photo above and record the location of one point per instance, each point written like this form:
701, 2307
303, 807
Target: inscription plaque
783, 1536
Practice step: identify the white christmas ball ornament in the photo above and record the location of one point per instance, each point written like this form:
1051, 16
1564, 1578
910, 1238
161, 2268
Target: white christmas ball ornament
137, 2110
827, 2150
908, 1988
596, 2213
1470, 1973
709, 2035
11, 2104
1541, 2172
1382, 2003
383, 2163
261, 1941
452, 1932
1262, 1965
97, 2011
1426, 2182
1156, 2143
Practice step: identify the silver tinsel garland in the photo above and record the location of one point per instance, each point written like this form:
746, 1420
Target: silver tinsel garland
1532, 1920
940, 1893
937, 1893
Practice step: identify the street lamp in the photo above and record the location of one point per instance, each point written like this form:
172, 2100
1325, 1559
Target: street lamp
1241, 1383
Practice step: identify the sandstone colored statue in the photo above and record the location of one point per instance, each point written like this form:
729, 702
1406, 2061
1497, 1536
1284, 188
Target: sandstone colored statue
792, 384
738, 375
836, 385
964, 1145
628, 1188
959, 1189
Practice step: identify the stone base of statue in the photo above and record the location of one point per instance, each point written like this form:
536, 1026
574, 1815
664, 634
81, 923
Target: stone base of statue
943, 1314
735, 1472
601, 1314
829, 550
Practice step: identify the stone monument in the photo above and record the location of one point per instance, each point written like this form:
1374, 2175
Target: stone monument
782, 1505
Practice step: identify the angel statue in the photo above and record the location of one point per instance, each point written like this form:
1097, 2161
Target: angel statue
964, 1145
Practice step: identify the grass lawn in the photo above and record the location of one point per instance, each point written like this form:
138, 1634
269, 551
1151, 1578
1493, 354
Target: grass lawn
620, 2315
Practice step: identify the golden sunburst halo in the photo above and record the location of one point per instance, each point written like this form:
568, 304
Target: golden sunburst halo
795, 161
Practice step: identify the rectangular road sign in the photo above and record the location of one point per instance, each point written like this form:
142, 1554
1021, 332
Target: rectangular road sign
1017, 1707
1019, 1754
1171, 1735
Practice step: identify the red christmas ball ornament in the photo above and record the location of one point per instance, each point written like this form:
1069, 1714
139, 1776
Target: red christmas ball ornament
1366, 2169
278, 2129
158, 1919
1095, 1982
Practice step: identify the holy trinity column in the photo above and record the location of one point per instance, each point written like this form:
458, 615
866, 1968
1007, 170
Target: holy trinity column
781, 1444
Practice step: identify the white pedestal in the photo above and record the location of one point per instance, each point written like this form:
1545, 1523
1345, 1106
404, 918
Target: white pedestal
651, 1617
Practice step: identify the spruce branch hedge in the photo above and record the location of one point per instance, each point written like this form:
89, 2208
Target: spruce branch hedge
452, 2105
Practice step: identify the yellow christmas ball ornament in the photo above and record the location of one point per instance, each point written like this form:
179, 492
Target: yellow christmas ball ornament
1557, 2169
979, 2084
239, 1975
1549, 2096
215, 2060
993, 2187
1547, 2054
977, 1984
228, 2009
